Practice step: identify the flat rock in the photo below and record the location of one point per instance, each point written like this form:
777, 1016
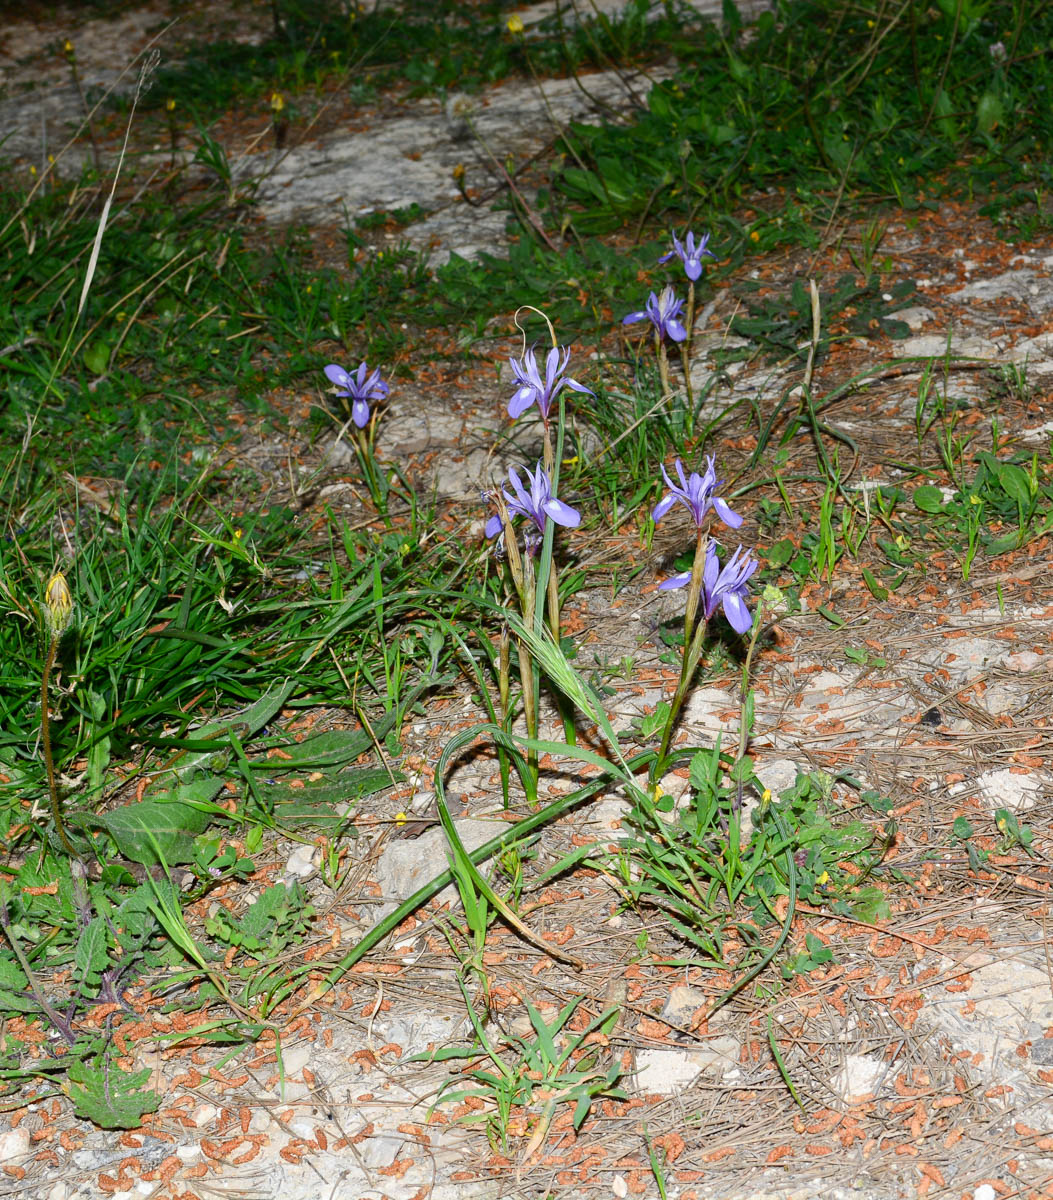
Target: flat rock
1005, 789
665, 1072
859, 1077
406, 865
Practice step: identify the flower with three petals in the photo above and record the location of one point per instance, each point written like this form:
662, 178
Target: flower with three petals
537, 504
696, 494
532, 389
663, 311
725, 586
689, 254
360, 388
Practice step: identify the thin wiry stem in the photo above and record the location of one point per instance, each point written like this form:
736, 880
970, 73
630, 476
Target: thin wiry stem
45, 740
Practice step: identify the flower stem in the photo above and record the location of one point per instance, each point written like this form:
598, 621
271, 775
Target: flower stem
694, 636
526, 677
377, 484
685, 358
524, 579
663, 364
45, 741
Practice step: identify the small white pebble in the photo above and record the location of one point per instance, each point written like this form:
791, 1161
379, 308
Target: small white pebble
619, 1187
984, 1192
204, 1115
14, 1144
303, 861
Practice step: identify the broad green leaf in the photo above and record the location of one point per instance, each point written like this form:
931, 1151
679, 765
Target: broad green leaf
333, 748
928, 498
316, 801
12, 975
1015, 483
99, 750
91, 956
9, 1002
110, 1097
156, 829
245, 726
990, 112
780, 553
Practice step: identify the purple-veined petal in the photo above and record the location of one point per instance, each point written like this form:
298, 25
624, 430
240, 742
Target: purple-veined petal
711, 570
577, 387
540, 489
739, 616
336, 374
635, 316
375, 388
521, 401
522, 500
675, 581
726, 514
561, 513
662, 507
360, 413
494, 526
675, 330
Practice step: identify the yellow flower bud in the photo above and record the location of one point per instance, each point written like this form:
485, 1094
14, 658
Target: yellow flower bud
58, 604
514, 24
67, 48
277, 102
170, 105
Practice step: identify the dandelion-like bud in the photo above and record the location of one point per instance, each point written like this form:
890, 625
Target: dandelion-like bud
58, 604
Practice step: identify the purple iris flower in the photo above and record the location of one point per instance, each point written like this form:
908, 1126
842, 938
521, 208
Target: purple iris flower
664, 314
689, 254
359, 388
727, 586
531, 390
538, 504
695, 493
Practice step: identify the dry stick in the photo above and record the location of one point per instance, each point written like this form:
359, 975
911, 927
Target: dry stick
510, 183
